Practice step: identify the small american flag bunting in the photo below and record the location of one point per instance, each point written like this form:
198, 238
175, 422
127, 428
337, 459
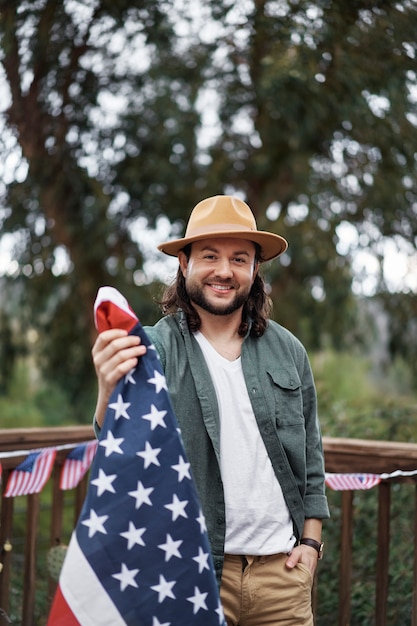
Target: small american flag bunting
32, 474
77, 464
350, 482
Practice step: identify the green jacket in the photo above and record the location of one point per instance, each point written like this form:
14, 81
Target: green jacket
281, 388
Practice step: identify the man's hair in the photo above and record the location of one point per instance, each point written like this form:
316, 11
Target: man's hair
257, 307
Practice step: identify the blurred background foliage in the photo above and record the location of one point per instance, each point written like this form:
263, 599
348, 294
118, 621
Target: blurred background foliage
117, 117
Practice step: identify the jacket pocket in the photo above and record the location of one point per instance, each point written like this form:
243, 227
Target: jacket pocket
288, 399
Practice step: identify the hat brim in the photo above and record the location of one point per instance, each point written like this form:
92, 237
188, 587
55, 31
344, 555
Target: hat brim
271, 245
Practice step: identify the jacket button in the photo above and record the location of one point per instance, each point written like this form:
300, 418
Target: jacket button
220, 520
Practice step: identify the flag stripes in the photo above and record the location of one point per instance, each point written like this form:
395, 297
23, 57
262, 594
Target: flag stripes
77, 464
31, 475
350, 482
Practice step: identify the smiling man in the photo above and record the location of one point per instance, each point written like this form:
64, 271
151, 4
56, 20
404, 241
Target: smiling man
244, 395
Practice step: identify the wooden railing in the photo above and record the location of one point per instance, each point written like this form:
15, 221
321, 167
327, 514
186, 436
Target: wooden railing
341, 456
377, 457
33, 439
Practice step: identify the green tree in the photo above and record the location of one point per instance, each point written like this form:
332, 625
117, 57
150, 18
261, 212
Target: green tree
66, 65
135, 109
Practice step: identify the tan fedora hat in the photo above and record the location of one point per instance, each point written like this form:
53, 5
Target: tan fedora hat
226, 216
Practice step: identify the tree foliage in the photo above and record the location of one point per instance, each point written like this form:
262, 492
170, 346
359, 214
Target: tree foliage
129, 111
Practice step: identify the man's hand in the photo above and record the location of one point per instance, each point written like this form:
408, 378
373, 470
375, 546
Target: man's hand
114, 353
303, 554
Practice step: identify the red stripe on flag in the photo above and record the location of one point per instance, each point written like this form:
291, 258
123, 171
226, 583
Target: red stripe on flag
352, 482
23, 482
61, 613
74, 469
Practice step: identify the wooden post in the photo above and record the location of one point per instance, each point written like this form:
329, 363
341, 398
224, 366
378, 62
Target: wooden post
414, 607
29, 581
345, 576
382, 561
6, 531
56, 520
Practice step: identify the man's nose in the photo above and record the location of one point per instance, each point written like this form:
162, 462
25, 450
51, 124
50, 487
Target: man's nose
223, 268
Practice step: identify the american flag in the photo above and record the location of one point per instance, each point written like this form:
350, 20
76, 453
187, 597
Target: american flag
77, 464
32, 474
140, 554
350, 482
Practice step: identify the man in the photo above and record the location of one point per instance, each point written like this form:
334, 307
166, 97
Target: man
243, 392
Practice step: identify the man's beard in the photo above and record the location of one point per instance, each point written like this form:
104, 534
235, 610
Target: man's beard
196, 295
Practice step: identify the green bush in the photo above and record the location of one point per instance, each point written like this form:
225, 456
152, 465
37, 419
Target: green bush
356, 402
30, 403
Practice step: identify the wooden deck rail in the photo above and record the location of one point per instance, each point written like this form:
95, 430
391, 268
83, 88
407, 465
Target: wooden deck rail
341, 456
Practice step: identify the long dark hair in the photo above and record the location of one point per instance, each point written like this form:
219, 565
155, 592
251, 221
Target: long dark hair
257, 307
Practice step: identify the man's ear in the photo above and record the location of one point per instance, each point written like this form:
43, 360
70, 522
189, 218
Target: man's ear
183, 261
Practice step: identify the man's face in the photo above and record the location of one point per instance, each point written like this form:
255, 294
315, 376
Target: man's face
219, 273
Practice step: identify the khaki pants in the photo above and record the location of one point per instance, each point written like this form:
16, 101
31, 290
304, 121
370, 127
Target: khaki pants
262, 591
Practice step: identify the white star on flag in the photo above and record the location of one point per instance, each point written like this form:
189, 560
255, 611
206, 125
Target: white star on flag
155, 417
126, 577
202, 560
164, 589
177, 507
133, 536
159, 381
171, 547
111, 444
104, 482
129, 378
198, 600
156, 622
120, 407
95, 523
220, 613
150, 455
141, 494
182, 468
202, 521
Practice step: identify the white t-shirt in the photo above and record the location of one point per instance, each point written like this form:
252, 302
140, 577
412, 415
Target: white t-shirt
257, 518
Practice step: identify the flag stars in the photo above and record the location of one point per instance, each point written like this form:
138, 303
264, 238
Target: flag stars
182, 468
111, 444
133, 536
164, 589
150, 455
202, 521
202, 560
159, 381
142, 495
120, 407
129, 378
170, 548
198, 600
126, 577
104, 482
177, 507
220, 613
155, 417
156, 622
95, 523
